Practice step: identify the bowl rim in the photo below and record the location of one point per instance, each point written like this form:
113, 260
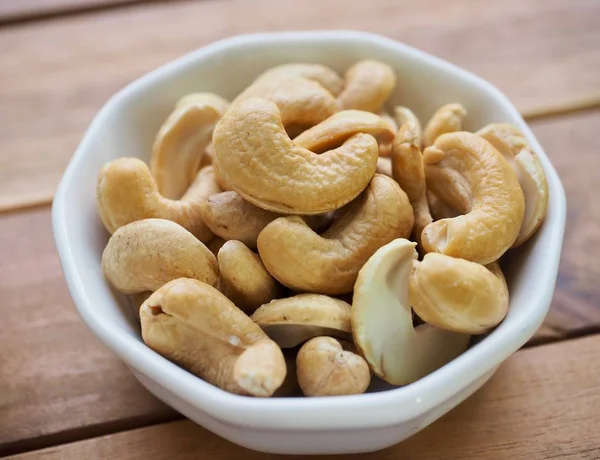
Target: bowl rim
338, 412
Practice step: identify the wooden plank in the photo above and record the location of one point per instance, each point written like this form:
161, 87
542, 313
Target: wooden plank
19, 10
543, 54
55, 376
58, 383
541, 404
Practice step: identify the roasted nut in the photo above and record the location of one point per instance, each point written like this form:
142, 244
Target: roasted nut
325, 369
231, 217
368, 84
338, 128
407, 170
469, 174
404, 116
258, 160
244, 279
144, 255
182, 140
321, 74
511, 143
457, 295
301, 101
127, 193
329, 263
197, 327
294, 320
447, 119
382, 324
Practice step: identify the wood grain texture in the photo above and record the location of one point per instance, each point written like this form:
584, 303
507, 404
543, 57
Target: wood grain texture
55, 377
541, 404
19, 10
57, 74
57, 383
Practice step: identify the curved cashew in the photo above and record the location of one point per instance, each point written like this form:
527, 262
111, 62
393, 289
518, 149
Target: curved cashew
321, 74
385, 148
301, 101
325, 369
197, 327
447, 119
294, 320
404, 116
329, 263
407, 170
368, 85
511, 143
384, 166
144, 255
457, 295
231, 217
340, 127
382, 324
243, 278
259, 161
469, 174
181, 142
126, 192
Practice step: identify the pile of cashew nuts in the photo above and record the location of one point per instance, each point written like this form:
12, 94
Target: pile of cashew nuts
300, 239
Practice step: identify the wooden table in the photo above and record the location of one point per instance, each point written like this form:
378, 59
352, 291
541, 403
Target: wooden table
64, 396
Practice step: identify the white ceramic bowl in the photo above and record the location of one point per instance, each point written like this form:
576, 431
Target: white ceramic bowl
126, 126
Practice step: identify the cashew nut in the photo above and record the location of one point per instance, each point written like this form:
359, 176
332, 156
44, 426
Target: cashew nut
144, 255
181, 142
243, 278
469, 174
301, 101
368, 84
126, 192
294, 320
259, 161
385, 148
382, 324
447, 119
407, 170
511, 143
404, 116
329, 263
231, 217
339, 127
325, 369
384, 166
321, 74
457, 295
197, 327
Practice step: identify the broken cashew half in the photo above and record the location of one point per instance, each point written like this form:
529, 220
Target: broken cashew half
368, 84
144, 255
328, 263
469, 174
243, 278
197, 327
511, 143
301, 101
447, 119
407, 170
182, 140
458, 295
382, 324
126, 192
294, 320
258, 160
324, 368
321, 74
340, 127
